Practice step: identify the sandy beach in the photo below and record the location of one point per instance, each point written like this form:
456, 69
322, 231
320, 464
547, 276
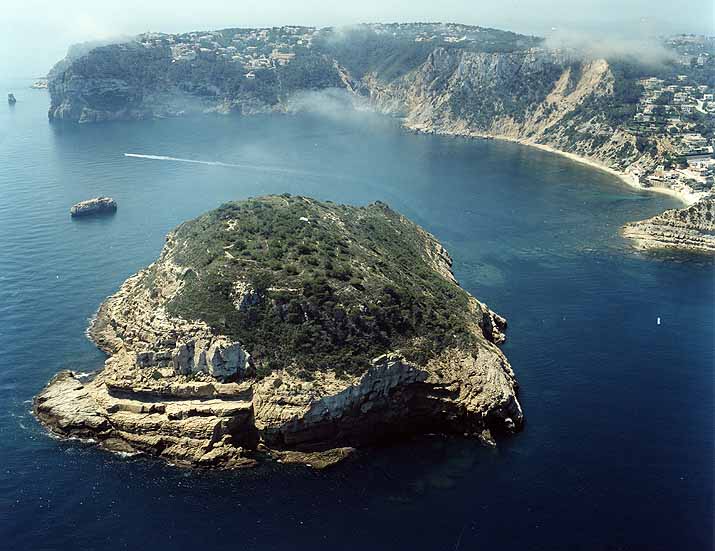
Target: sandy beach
685, 197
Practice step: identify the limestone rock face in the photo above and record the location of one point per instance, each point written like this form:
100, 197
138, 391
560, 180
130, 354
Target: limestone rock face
536, 96
193, 393
689, 228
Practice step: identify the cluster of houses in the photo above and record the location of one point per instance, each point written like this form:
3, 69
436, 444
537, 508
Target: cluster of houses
668, 106
691, 48
266, 49
696, 178
670, 109
252, 49
450, 33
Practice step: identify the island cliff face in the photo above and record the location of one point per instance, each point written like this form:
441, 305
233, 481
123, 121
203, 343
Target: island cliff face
286, 327
690, 228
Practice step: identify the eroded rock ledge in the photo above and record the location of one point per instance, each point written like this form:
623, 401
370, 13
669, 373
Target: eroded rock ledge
691, 228
193, 382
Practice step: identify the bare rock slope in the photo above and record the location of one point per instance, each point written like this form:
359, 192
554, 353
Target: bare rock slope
293, 328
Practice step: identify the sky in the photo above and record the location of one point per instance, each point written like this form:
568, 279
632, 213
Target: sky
36, 33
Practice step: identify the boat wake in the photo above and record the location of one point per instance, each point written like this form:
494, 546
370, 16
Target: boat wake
245, 166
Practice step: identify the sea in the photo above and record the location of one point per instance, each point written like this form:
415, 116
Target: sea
617, 450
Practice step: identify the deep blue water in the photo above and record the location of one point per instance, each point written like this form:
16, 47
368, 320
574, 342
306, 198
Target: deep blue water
617, 452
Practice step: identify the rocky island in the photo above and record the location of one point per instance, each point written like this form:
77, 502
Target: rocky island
290, 328
691, 228
97, 205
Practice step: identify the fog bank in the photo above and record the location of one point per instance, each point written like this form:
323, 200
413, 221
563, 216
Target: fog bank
36, 33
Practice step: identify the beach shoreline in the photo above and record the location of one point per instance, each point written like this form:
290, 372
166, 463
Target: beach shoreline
630, 180
684, 197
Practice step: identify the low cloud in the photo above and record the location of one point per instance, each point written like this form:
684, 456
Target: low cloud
643, 50
331, 103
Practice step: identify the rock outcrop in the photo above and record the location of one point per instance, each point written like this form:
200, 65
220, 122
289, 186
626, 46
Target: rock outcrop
97, 205
214, 361
690, 228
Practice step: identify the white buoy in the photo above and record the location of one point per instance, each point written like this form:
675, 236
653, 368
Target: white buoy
658, 321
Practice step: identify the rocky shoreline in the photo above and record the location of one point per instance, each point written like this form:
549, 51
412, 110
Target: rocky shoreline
691, 228
180, 390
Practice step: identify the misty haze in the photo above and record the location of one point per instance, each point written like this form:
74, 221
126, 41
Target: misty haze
357, 276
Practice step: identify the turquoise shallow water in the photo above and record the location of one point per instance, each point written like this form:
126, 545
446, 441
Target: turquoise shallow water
617, 452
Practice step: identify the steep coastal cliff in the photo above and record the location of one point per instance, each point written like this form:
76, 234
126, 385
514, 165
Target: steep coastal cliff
287, 327
690, 228
535, 96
